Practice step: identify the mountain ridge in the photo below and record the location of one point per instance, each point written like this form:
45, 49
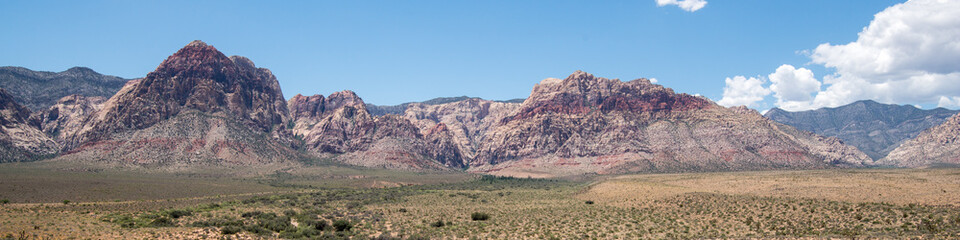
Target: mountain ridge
875, 128
38, 90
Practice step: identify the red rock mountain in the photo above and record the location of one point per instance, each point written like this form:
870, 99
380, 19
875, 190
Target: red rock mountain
202, 108
340, 127
21, 138
939, 145
198, 107
586, 124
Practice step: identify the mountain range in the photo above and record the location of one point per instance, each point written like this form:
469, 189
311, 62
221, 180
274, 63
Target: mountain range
201, 108
874, 128
38, 90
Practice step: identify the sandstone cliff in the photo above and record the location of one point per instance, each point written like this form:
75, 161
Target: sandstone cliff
66, 117
340, 127
468, 120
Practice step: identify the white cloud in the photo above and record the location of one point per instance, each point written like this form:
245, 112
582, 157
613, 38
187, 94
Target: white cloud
688, 5
741, 90
949, 102
793, 87
908, 54
653, 80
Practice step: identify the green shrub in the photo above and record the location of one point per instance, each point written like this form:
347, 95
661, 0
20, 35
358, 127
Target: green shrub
66, 202
230, 230
277, 223
251, 214
479, 216
179, 213
321, 225
258, 230
589, 202
4, 201
438, 223
162, 222
342, 225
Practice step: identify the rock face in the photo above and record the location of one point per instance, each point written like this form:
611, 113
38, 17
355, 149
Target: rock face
66, 117
20, 138
340, 127
939, 145
380, 110
585, 124
198, 107
39, 90
874, 128
468, 120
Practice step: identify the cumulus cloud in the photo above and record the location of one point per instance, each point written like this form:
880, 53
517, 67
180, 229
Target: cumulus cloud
949, 102
908, 54
793, 87
741, 90
687, 5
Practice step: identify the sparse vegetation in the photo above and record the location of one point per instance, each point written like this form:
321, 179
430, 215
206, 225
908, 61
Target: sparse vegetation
479, 216
632, 207
342, 225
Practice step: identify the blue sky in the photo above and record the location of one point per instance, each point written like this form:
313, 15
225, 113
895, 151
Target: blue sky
391, 52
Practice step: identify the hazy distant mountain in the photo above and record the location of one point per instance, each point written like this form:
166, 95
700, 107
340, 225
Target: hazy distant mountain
939, 145
874, 128
39, 90
380, 110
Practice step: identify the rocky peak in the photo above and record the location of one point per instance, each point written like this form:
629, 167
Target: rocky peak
581, 92
345, 98
317, 106
198, 77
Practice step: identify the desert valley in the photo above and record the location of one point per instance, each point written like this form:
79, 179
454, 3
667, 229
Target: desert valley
403, 120
206, 146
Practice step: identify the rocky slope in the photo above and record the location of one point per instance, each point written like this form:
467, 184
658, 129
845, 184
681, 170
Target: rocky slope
939, 145
199, 107
585, 124
39, 90
380, 110
340, 127
468, 120
66, 117
20, 138
874, 128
